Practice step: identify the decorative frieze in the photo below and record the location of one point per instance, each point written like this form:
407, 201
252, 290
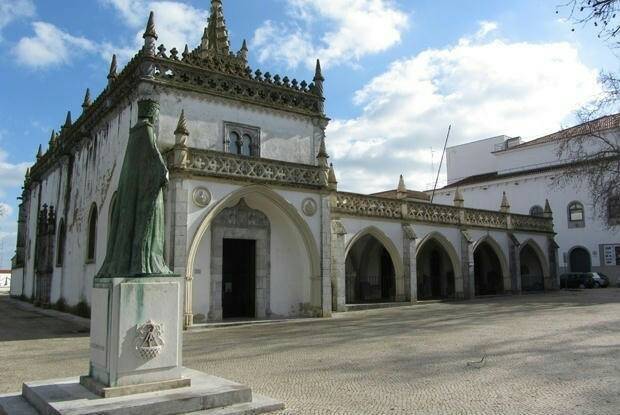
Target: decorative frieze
372, 206
219, 75
218, 164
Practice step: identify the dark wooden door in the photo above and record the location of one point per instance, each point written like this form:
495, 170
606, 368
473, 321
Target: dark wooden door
239, 278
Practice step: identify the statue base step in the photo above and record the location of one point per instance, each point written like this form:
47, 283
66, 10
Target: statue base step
207, 395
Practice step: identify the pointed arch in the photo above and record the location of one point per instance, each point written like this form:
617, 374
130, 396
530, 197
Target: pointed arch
539, 252
232, 200
497, 249
486, 279
445, 244
387, 243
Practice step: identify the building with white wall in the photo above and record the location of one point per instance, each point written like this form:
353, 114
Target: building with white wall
254, 220
482, 171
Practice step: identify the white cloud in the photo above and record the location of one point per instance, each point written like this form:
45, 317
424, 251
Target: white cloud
357, 28
11, 175
482, 87
11, 10
176, 23
50, 46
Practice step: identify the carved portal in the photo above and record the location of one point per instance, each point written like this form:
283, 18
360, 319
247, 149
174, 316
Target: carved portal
241, 222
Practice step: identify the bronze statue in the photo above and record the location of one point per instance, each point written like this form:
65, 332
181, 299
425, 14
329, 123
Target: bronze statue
136, 242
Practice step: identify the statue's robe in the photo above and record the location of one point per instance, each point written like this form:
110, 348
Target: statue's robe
136, 234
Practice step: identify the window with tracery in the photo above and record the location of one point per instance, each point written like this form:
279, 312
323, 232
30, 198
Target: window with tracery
243, 140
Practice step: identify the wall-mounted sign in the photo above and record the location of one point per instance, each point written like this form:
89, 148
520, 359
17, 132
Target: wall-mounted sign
611, 255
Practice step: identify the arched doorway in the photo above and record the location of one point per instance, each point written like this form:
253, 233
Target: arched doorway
487, 270
580, 260
370, 273
532, 274
435, 272
288, 282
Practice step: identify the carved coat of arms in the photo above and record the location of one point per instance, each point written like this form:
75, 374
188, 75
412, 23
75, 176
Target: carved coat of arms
149, 341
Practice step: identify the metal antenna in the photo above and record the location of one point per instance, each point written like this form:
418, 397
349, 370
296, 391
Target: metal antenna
441, 162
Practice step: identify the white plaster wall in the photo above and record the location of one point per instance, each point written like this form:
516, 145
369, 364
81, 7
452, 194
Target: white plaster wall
284, 136
94, 178
472, 158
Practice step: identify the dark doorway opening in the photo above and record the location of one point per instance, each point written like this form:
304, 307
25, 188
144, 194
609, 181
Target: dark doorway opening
435, 272
239, 278
370, 273
487, 271
580, 260
532, 278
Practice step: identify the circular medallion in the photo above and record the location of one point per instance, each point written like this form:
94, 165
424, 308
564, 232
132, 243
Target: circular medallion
309, 207
201, 197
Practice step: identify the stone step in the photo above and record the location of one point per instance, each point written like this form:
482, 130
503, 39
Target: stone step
372, 306
259, 405
67, 396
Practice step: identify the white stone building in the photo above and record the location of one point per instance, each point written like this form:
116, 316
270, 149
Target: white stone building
254, 221
484, 170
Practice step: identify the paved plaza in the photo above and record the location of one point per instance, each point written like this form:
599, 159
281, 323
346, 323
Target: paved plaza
556, 353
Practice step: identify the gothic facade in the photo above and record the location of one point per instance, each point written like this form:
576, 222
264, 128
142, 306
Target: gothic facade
255, 224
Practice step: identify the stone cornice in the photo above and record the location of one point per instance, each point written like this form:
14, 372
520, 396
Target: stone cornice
224, 77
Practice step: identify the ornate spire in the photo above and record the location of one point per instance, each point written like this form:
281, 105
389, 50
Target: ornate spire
87, 102
112, 75
243, 52
505, 206
458, 198
322, 156
150, 27
52, 142
332, 183
39, 152
401, 191
182, 126
150, 36
68, 121
215, 37
318, 79
547, 213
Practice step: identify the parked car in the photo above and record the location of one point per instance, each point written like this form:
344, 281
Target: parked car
577, 280
600, 280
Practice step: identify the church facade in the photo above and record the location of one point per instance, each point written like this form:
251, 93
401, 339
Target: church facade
255, 223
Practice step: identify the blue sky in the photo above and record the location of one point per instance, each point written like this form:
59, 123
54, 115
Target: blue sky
398, 72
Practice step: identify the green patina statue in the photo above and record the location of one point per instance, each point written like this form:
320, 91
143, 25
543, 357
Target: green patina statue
136, 242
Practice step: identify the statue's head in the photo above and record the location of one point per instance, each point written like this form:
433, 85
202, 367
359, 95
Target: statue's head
148, 110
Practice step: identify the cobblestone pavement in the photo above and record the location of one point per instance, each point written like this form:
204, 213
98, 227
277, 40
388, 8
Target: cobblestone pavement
556, 353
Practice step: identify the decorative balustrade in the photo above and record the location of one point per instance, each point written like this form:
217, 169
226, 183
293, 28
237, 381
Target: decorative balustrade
531, 223
372, 206
218, 164
362, 205
485, 218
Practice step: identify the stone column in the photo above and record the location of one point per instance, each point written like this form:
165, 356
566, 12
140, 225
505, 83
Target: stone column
553, 281
410, 252
325, 279
338, 271
178, 243
467, 265
514, 262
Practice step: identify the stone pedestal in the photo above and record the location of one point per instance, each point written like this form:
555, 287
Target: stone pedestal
136, 362
135, 335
